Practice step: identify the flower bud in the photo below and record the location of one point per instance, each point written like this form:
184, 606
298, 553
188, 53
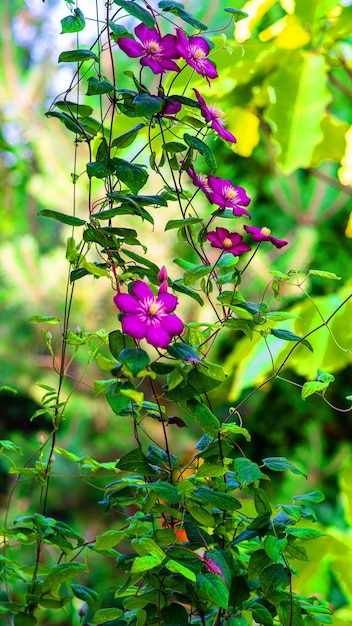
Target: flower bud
162, 276
163, 287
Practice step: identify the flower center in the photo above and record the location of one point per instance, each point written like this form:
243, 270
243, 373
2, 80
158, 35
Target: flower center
153, 308
203, 180
197, 53
227, 243
152, 47
216, 112
230, 193
266, 231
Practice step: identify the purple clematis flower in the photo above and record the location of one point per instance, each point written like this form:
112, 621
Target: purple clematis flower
214, 115
148, 316
171, 108
229, 242
225, 194
263, 234
156, 51
199, 180
195, 50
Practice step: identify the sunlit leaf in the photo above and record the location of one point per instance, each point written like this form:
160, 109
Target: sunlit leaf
77, 56
301, 98
73, 23
137, 11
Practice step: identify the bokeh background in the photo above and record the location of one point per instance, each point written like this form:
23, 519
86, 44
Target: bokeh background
285, 83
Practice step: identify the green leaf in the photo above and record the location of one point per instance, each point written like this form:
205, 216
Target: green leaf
204, 417
237, 14
274, 547
143, 260
304, 533
274, 577
174, 147
165, 491
135, 359
96, 86
178, 9
105, 615
135, 461
145, 563
313, 496
211, 587
324, 377
132, 8
60, 574
119, 341
322, 274
71, 220
83, 110
118, 401
312, 387
261, 501
66, 454
246, 471
181, 223
202, 148
281, 464
126, 139
261, 614
89, 596
23, 619
211, 467
145, 104
77, 56
205, 377
290, 614
73, 23
194, 274
97, 169
177, 286
287, 335
108, 539
295, 114
280, 316
219, 500
258, 561
134, 176
233, 429
44, 319
183, 351
117, 30
7, 445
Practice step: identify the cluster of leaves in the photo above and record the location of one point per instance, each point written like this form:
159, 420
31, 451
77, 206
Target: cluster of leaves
200, 542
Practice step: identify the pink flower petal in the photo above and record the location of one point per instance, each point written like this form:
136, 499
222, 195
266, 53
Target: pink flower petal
141, 290
172, 324
126, 303
135, 327
224, 134
157, 336
146, 34
130, 47
169, 301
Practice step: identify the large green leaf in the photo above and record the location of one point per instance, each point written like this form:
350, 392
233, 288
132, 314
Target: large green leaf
137, 11
296, 111
249, 360
212, 588
313, 10
60, 574
73, 23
